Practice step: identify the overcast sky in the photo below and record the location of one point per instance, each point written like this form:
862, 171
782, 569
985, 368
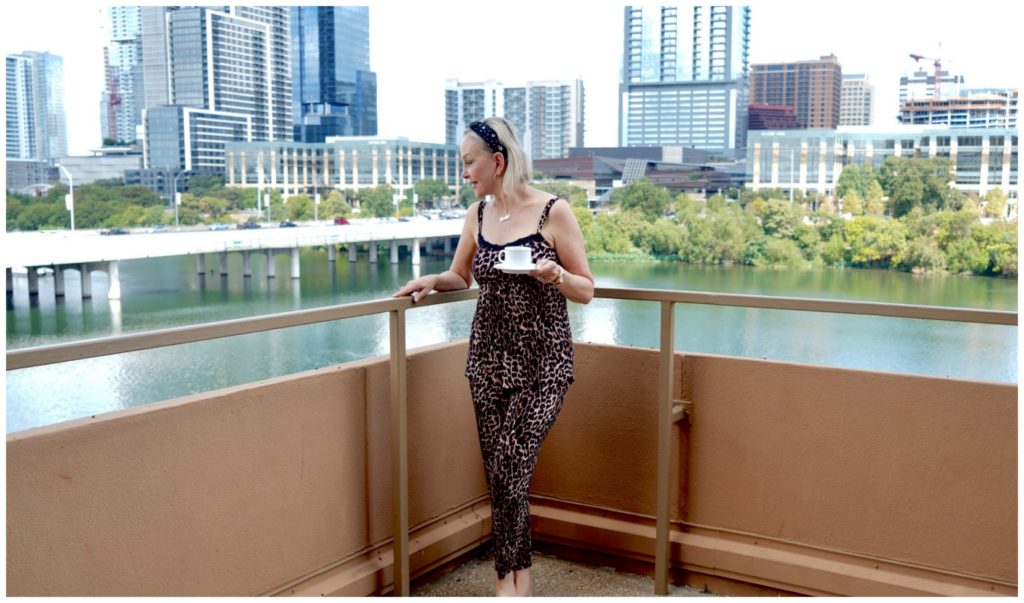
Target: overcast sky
416, 46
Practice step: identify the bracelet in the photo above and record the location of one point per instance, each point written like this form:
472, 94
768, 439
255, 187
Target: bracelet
561, 276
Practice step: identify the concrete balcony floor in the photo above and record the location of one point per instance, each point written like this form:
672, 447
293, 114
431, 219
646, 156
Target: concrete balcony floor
552, 577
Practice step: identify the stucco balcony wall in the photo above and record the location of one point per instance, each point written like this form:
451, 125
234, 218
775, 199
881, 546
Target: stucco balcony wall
791, 478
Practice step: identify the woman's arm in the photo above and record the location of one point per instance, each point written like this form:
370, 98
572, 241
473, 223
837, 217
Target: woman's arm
459, 275
567, 237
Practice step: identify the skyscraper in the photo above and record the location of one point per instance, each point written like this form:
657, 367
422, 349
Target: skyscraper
36, 123
121, 101
812, 88
231, 65
684, 76
855, 102
548, 115
334, 93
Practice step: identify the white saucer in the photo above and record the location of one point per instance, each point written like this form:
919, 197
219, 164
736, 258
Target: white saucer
516, 270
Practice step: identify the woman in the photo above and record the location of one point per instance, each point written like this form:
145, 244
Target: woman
520, 346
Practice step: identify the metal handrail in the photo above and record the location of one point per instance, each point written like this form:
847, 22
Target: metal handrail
396, 308
91, 348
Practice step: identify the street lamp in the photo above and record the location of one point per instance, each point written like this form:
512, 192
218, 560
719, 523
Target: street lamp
177, 197
69, 199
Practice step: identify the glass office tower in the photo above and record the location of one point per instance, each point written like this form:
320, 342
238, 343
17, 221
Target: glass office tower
334, 93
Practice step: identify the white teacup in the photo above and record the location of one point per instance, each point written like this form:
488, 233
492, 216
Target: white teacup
515, 257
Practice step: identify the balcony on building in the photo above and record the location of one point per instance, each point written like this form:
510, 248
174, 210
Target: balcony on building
730, 475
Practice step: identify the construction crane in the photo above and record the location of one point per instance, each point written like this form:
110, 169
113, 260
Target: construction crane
938, 70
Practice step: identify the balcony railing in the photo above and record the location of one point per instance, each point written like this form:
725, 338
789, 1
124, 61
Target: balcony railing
669, 410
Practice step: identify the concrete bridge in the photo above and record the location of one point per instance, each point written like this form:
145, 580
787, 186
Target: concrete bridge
88, 251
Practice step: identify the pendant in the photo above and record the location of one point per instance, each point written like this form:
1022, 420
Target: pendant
505, 218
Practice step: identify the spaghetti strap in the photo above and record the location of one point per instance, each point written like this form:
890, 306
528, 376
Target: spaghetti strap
480, 215
544, 214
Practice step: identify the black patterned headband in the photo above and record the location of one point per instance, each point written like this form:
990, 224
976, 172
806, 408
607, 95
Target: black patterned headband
489, 136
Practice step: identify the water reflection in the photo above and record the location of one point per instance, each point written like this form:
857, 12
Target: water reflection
167, 292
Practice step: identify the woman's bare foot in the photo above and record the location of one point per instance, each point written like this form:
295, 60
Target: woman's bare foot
505, 587
524, 583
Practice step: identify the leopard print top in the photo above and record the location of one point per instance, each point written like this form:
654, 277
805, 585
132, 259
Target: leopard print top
520, 330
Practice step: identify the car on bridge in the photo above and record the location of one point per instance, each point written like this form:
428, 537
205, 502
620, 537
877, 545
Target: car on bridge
114, 231
287, 224
250, 223
341, 220
219, 226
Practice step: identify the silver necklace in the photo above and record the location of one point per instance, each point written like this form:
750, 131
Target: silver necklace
506, 217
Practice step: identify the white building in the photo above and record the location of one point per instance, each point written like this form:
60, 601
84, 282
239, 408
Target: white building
856, 100
685, 76
548, 115
121, 101
36, 125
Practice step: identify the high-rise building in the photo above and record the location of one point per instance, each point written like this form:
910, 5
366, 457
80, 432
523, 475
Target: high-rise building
121, 100
231, 65
548, 115
36, 123
812, 88
685, 77
855, 100
972, 108
156, 59
334, 93
921, 85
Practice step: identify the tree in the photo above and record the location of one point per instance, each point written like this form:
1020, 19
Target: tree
652, 200
910, 181
875, 204
855, 178
377, 201
466, 196
779, 219
874, 241
576, 196
853, 203
300, 207
995, 203
335, 205
432, 190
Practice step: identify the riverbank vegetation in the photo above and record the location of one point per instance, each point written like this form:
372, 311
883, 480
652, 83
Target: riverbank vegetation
903, 216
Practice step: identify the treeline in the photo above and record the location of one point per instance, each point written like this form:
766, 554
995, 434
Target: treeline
904, 217
109, 203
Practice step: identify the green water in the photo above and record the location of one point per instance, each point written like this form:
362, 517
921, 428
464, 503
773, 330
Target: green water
165, 292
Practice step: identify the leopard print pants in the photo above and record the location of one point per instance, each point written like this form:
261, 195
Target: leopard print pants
512, 424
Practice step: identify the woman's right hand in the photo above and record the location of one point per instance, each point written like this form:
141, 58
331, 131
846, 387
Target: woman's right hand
419, 288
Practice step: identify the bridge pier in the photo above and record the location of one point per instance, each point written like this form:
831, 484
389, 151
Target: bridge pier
113, 270
33, 281
271, 268
330, 253
447, 245
394, 252
295, 262
201, 263
84, 270
415, 252
58, 281
246, 263
223, 263
10, 282
352, 251
373, 252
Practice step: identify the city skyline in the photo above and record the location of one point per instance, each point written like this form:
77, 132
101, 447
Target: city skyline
464, 41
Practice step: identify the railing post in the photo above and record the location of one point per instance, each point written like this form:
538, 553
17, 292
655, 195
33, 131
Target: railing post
399, 456
664, 480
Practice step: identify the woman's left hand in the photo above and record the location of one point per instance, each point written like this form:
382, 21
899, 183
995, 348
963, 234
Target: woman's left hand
547, 271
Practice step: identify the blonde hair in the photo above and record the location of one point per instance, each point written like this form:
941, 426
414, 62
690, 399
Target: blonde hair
518, 169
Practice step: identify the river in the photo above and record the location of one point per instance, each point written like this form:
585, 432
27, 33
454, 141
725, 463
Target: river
164, 292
